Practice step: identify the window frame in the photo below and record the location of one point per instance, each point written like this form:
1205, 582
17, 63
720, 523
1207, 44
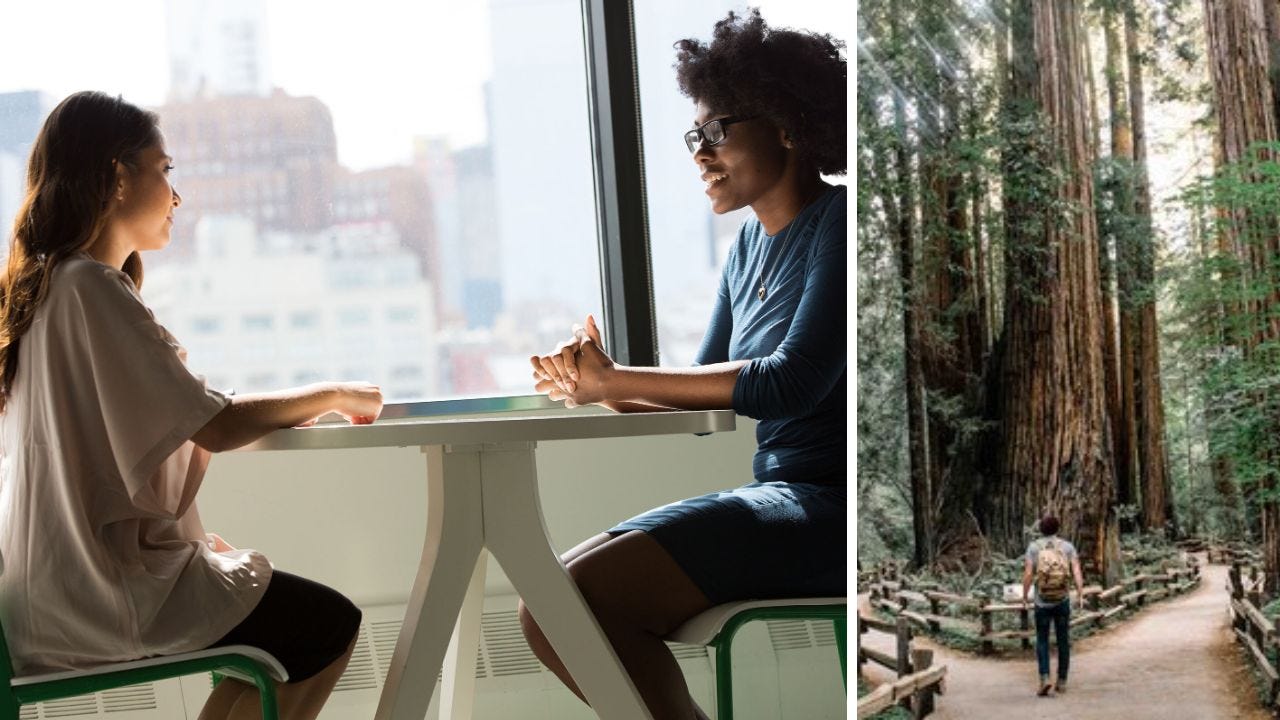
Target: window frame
622, 214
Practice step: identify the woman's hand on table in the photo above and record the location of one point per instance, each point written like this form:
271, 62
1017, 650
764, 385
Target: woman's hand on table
576, 371
360, 403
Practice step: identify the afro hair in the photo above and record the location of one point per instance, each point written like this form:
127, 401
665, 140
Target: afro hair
795, 79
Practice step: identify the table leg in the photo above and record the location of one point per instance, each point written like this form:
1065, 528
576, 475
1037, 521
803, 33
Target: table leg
454, 538
517, 536
458, 686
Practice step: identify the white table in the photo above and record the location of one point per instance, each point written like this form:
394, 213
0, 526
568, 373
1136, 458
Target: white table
482, 493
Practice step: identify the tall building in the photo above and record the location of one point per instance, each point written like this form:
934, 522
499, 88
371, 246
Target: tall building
262, 310
217, 48
468, 243
433, 158
480, 236
400, 196
271, 159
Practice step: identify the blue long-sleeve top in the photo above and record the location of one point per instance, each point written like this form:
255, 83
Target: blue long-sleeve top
795, 384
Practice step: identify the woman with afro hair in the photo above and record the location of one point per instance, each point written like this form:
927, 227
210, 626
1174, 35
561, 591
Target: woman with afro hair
769, 120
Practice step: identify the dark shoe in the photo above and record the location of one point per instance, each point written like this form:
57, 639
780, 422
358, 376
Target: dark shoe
1044, 689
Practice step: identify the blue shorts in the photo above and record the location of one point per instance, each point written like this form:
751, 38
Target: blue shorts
756, 542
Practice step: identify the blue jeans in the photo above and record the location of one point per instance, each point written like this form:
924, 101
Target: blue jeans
1060, 616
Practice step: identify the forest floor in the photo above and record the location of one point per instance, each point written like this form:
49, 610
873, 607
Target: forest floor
1174, 660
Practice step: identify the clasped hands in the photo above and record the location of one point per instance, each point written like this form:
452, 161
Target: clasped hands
577, 371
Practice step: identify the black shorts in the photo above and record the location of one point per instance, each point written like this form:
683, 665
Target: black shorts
304, 624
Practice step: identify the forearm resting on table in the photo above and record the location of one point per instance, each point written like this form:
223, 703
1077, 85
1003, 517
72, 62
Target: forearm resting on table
706, 387
251, 416
634, 407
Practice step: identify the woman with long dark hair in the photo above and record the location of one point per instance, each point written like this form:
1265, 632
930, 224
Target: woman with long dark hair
105, 437
769, 121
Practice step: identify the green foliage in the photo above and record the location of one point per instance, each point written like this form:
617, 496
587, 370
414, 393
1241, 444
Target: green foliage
1032, 177
923, 94
884, 527
1177, 55
1222, 301
1125, 236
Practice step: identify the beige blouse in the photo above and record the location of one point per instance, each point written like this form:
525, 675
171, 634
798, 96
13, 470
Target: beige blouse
104, 554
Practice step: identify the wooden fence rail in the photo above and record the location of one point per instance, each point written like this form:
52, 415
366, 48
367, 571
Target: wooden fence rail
1229, 554
917, 679
1252, 628
899, 598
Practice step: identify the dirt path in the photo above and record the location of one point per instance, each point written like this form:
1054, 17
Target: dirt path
1175, 660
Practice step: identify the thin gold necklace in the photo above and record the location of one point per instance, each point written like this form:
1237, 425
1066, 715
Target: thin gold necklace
763, 290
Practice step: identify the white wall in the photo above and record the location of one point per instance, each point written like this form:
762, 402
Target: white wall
355, 519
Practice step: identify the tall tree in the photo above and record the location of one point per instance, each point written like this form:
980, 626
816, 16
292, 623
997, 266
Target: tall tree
950, 323
1116, 231
899, 202
1055, 451
1157, 497
1244, 107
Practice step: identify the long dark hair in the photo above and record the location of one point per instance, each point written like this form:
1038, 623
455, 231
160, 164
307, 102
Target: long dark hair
71, 177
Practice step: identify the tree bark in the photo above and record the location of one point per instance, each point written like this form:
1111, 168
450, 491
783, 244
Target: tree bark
900, 209
951, 345
1055, 450
1121, 393
1157, 510
1240, 56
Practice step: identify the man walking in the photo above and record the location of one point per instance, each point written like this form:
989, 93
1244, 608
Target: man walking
1051, 563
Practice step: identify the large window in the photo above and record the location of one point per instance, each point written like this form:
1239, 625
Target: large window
396, 192
687, 241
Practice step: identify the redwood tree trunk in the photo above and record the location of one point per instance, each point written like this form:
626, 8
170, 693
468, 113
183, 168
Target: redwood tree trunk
1239, 53
1157, 509
1121, 394
900, 210
948, 284
1055, 450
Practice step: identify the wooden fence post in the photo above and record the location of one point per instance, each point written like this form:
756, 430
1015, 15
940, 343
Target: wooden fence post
1255, 599
922, 699
1238, 620
987, 646
904, 647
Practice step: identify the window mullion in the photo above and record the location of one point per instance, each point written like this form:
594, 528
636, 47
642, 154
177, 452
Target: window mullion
622, 220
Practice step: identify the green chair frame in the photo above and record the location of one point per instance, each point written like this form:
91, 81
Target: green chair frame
836, 612
228, 661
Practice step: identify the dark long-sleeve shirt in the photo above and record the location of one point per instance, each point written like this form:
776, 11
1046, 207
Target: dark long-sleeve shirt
796, 339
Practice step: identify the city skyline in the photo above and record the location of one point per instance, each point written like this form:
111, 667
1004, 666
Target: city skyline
502, 230
376, 116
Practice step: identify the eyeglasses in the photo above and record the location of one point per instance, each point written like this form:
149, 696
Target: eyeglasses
711, 132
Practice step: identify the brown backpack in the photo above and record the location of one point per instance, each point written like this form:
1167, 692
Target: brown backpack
1053, 573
